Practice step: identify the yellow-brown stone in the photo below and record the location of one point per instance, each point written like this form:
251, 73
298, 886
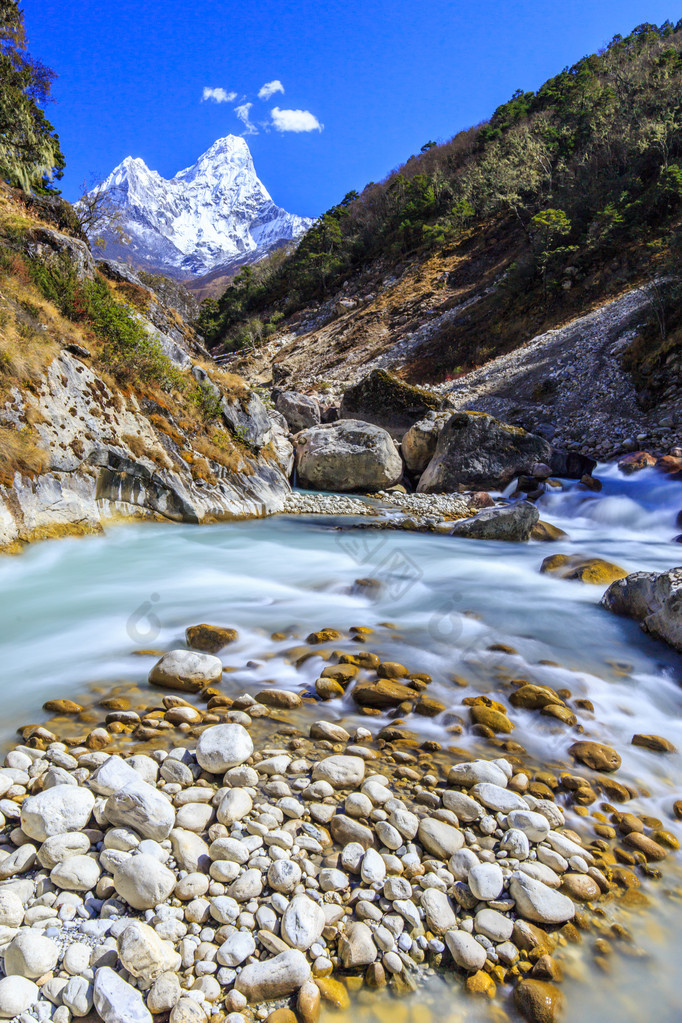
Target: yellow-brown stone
538, 1001
587, 570
333, 992
209, 638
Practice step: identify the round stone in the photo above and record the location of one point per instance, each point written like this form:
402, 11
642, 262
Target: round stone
465, 950
30, 954
221, 747
76, 874
143, 882
56, 810
486, 881
17, 995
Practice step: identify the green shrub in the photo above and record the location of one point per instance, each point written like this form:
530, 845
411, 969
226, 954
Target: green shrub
128, 351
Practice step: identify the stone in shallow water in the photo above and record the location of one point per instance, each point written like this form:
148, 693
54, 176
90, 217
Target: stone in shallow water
186, 670
499, 799
538, 1001
209, 638
341, 772
595, 755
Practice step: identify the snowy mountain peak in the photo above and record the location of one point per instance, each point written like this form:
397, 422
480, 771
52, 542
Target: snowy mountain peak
215, 214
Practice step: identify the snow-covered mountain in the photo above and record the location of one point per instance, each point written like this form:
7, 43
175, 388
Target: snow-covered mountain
214, 214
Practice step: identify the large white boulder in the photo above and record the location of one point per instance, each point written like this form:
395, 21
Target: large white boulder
142, 807
347, 455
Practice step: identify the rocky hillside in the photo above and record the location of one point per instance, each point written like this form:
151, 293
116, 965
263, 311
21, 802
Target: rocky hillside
109, 403
552, 232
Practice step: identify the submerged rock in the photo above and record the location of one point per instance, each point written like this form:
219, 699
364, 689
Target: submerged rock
586, 570
186, 670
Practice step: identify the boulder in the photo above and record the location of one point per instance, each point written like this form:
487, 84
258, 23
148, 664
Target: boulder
299, 410
477, 451
272, 978
222, 747
513, 523
595, 755
186, 670
56, 810
635, 462
247, 417
570, 465
116, 1001
653, 599
384, 400
347, 456
418, 445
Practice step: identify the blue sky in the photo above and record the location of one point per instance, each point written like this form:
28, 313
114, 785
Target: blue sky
381, 78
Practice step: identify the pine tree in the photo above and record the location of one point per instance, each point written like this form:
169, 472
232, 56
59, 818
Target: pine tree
30, 154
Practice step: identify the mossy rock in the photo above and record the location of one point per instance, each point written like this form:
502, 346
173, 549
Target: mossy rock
384, 400
595, 571
209, 638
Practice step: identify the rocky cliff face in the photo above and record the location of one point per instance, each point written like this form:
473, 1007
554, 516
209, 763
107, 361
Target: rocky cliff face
101, 448
214, 214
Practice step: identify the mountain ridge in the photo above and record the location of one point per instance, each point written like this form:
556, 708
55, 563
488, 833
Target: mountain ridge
214, 214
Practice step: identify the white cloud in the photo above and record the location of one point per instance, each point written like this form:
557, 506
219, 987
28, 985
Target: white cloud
218, 95
295, 120
243, 112
270, 88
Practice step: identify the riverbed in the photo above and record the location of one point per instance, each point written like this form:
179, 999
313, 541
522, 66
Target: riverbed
76, 613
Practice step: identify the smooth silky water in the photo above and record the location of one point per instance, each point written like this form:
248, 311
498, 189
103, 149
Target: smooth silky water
75, 611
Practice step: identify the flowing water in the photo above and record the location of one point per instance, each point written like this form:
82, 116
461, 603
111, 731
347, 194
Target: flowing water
74, 612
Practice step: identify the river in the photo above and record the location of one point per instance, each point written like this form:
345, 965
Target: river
75, 611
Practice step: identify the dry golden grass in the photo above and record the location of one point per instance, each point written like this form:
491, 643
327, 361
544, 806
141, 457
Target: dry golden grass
19, 452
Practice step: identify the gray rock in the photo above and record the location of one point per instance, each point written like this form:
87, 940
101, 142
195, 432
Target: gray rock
30, 954
76, 874
248, 419
299, 410
356, 946
537, 902
653, 599
472, 772
481, 452
302, 922
347, 456
439, 838
533, 825
186, 670
143, 882
238, 947
440, 915
142, 807
513, 523
77, 996
387, 401
465, 950
273, 978
116, 1001
222, 747
493, 925
234, 805
466, 808
341, 772
55, 811
486, 881
499, 799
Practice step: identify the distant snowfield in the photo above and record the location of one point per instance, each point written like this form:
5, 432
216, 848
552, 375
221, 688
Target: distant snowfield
210, 215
